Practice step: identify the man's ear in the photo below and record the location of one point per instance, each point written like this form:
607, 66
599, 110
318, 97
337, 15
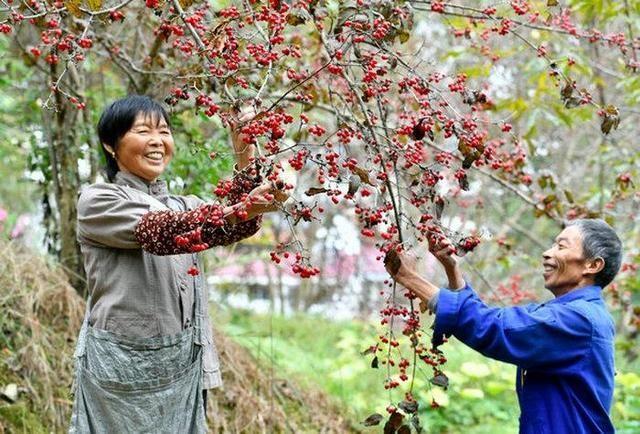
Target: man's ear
594, 266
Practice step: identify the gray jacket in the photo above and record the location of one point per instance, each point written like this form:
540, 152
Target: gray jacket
135, 293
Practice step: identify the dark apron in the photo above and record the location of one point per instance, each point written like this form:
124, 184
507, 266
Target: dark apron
139, 385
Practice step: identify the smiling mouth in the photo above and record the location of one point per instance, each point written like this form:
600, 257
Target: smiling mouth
156, 157
548, 269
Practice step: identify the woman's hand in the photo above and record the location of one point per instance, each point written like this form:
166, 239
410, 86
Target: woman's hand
243, 152
265, 198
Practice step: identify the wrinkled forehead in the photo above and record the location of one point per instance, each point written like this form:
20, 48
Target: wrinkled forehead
571, 236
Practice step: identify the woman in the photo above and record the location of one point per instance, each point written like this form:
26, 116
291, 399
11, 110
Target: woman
145, 351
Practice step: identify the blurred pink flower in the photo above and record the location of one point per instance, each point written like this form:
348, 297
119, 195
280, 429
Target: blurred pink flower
20, 226
3, 214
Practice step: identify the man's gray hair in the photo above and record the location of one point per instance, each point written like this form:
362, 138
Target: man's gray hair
600, 240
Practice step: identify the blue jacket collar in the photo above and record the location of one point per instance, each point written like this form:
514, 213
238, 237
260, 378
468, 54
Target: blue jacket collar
591, 292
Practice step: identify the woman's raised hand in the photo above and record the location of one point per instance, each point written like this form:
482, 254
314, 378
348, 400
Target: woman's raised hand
243, 151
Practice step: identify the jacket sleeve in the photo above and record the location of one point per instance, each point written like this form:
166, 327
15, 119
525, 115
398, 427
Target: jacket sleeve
199, 228
107, 217
178, 232
552, 337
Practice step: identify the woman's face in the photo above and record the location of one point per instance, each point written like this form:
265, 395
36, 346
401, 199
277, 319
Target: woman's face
147, 148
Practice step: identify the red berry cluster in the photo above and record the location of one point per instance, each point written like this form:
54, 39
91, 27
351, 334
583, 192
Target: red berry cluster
116, 16
177, 93
298, 160
520, 7
223, 188
79, 104
432, 357
437, 6
229, 12
335, 69
458, 84
489, 11
512, 291
273, 124
302, 212
380, 28
467, 244
206, 101
191, 241
262, 55
302, 268
167, 28
317, 130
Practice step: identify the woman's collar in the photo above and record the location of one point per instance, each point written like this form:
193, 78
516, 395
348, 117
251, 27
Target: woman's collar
155, 188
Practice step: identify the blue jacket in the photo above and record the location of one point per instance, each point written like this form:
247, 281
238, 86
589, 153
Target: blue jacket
563, 350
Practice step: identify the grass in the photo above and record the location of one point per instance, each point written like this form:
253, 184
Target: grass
318, 353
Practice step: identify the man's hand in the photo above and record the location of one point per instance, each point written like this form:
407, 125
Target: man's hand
443, 250
400, 266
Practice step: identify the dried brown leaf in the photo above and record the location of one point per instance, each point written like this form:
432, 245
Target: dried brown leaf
316, 190
408, 406
611, 119
363, 175
297, 16
392, 262
404, 429
440, 380
394, 422
374, 362
567, 90
354, 185
373, 419
439, 207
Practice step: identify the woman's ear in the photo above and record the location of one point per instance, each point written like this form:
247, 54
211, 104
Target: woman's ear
110, 150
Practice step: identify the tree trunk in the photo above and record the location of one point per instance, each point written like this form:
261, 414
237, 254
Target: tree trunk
65, 177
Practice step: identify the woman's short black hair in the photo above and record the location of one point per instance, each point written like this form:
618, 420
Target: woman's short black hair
118, 118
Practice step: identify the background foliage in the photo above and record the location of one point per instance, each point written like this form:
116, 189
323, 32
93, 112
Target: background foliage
554, 159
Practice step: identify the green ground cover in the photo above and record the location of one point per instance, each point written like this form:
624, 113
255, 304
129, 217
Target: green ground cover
320, 353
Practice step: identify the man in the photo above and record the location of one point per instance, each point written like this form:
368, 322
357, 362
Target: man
563, 348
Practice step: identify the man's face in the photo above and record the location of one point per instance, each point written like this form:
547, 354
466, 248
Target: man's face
564, 263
